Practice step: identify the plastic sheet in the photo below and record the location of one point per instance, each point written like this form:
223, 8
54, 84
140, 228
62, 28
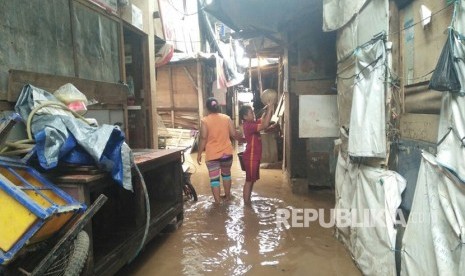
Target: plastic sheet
445, 77
337, 13
367, 137
451, 132
60, 137
433, 240
361, 189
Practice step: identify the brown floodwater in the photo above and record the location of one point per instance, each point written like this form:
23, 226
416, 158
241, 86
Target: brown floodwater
233, 239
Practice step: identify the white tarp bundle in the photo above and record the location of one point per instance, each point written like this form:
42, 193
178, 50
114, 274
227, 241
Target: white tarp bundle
367, 132
371, 20
433, 240
372, 197
451, 133
345, 90
336, 13
459, 24
459, 55
451, 152
345, 190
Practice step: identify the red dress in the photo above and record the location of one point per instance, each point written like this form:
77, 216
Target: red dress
253, 150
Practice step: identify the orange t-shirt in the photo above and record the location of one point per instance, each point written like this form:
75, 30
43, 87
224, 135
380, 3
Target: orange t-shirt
218, 140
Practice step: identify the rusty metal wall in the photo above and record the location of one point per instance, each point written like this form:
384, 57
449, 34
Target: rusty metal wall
37, 36
97, 45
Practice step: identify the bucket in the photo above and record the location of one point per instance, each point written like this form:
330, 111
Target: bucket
241, 160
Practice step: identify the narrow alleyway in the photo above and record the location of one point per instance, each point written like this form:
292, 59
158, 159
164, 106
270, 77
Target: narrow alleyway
234, 239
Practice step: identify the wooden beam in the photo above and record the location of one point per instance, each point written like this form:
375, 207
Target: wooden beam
200, 92
103, 92
73, 36
182, 109
170, 74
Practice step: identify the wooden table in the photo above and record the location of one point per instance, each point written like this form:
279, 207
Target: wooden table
117, 229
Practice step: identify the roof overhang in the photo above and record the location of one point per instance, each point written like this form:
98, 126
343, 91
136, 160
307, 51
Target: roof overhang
265, 22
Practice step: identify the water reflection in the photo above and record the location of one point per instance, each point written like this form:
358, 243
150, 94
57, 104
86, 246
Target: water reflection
233, 236
233, 239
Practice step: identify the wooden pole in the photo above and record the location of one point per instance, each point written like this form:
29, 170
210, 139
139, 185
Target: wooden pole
250, 74
260, 84
200, 90
170, 74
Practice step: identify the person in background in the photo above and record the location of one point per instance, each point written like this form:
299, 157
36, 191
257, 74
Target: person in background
216, 131
253, 150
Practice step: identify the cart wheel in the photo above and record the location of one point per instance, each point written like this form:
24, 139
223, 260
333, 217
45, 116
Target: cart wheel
190, 192
193, 192
71, 261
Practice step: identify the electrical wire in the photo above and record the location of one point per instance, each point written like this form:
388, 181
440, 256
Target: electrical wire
416, 23
202, 7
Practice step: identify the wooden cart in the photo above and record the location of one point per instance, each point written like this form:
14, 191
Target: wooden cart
118, 228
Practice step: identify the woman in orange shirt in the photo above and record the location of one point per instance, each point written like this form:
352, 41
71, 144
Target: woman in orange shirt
216, 131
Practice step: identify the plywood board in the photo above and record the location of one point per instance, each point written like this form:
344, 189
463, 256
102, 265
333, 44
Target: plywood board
423, 127
318, 116
320, 87
103, 92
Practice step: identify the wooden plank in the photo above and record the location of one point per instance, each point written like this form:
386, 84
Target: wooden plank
171, 96
316, 87
186, 109
270, 148
103, 92
423, 127
185, 101
200, 92
6, 106
182, 85
191, 78
72, 14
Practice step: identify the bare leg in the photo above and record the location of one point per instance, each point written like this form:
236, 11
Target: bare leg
216, 194
247, 191
227, 189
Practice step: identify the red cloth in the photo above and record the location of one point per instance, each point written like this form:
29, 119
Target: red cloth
253, 150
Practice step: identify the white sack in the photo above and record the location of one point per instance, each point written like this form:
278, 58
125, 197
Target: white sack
373, 247
367, 132
336, 13
361, 189
432, 243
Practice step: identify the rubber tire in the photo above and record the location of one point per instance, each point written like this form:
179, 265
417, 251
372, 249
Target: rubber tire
78, 256
191, 191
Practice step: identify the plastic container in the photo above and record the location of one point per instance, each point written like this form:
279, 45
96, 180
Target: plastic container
31, 208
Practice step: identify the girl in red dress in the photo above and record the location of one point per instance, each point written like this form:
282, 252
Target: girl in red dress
253, 150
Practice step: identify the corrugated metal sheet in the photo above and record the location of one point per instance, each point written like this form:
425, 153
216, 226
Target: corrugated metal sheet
35, 36
97, 49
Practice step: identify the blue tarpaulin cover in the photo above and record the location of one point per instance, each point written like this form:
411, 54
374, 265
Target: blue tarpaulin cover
60, 136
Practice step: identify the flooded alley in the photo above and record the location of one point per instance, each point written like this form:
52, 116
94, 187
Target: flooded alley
233, 239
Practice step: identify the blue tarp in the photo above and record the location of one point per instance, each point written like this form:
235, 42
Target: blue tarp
60, 137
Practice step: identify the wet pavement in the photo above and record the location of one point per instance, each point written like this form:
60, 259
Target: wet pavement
233, 239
